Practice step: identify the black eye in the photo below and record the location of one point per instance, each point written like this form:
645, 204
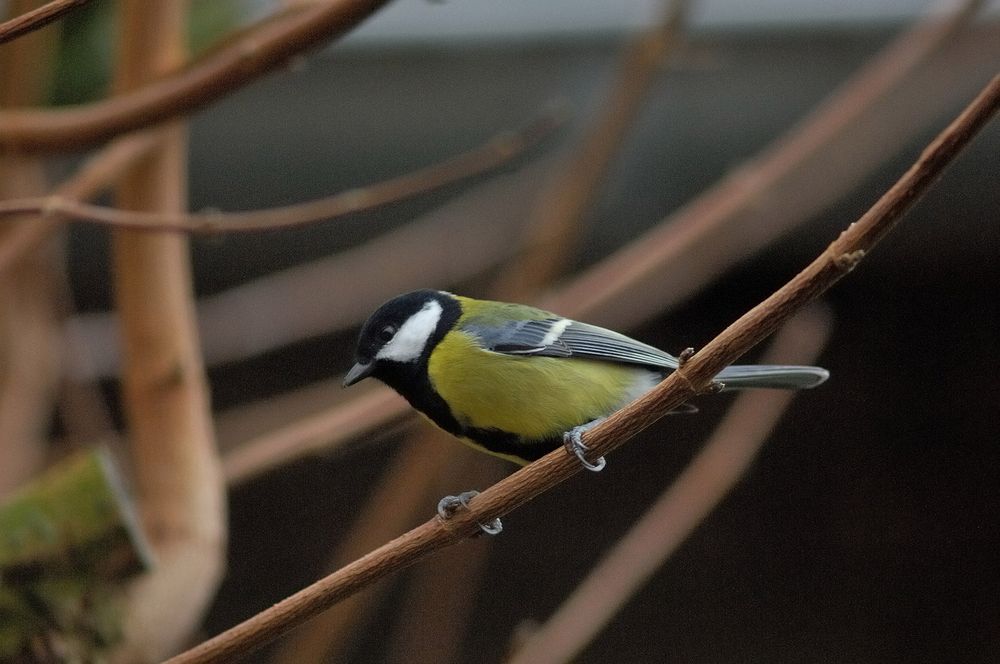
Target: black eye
386, 333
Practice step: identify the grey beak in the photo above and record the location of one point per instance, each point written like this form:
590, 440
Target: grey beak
359, 371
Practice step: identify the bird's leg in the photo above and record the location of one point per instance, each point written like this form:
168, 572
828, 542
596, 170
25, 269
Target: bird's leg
573, 442
448, 505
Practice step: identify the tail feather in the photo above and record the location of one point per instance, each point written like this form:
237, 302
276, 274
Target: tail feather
783, 377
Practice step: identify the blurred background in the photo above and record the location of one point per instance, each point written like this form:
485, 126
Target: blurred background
865, 531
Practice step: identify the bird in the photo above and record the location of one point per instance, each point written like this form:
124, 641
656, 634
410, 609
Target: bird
515, 381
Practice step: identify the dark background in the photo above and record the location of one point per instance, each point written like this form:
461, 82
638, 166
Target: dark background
867, 529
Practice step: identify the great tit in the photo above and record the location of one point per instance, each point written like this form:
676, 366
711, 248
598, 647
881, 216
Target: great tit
518, 382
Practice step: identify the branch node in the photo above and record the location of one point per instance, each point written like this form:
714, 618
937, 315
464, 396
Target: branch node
714, 387
51, 207
848, 261
684, 356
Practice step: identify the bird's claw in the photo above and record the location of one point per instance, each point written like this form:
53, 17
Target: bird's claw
448, 505
573, 442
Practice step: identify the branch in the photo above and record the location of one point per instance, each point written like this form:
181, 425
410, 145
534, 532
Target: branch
310, 434
794, 177
37, 18
556, 217
98, 173
31, 356
229, 68
496, 152
412, 481
696, 376
687, 501
164, 388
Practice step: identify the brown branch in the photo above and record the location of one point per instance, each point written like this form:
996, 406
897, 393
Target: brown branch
30, 348
677, 512
408, 487
557, 215
496, 152
98, 173
37, 18
310, 434
791, 179
696, 376
227, 69
164, 389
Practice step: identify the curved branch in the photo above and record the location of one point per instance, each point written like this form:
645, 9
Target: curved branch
697, 374
221, 72
98, 173
37, 18
496, 152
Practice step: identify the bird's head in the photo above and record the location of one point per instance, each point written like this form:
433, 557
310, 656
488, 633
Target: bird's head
396, 340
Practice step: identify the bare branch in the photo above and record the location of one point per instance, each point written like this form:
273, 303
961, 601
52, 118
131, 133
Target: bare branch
227, 69
517, 489
557, 215
677, 512
30, 351
164, 389
98, 173
494, 153
778, 188
309, 434
37, 18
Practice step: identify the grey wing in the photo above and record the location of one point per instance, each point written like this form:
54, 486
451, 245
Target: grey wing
561, 337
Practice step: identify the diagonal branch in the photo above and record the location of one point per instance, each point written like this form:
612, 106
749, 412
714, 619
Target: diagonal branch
696, 376
557, 216
98, 173
767, 195
496, 152
227, 69
37, 18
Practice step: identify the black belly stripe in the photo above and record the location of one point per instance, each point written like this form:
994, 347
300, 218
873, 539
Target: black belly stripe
502, 442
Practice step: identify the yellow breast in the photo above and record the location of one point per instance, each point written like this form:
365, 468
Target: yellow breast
532, 397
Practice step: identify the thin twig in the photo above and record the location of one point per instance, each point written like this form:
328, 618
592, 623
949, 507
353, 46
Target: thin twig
557, 215
399, 501
496, 152
308, 434
98, 173
37, 18
696, 376
695, 243
705, 481
229, 68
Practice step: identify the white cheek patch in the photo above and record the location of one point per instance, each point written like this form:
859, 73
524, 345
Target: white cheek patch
412, 337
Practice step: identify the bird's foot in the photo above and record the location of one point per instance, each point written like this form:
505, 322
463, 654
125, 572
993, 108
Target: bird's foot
573, 442
448, 505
